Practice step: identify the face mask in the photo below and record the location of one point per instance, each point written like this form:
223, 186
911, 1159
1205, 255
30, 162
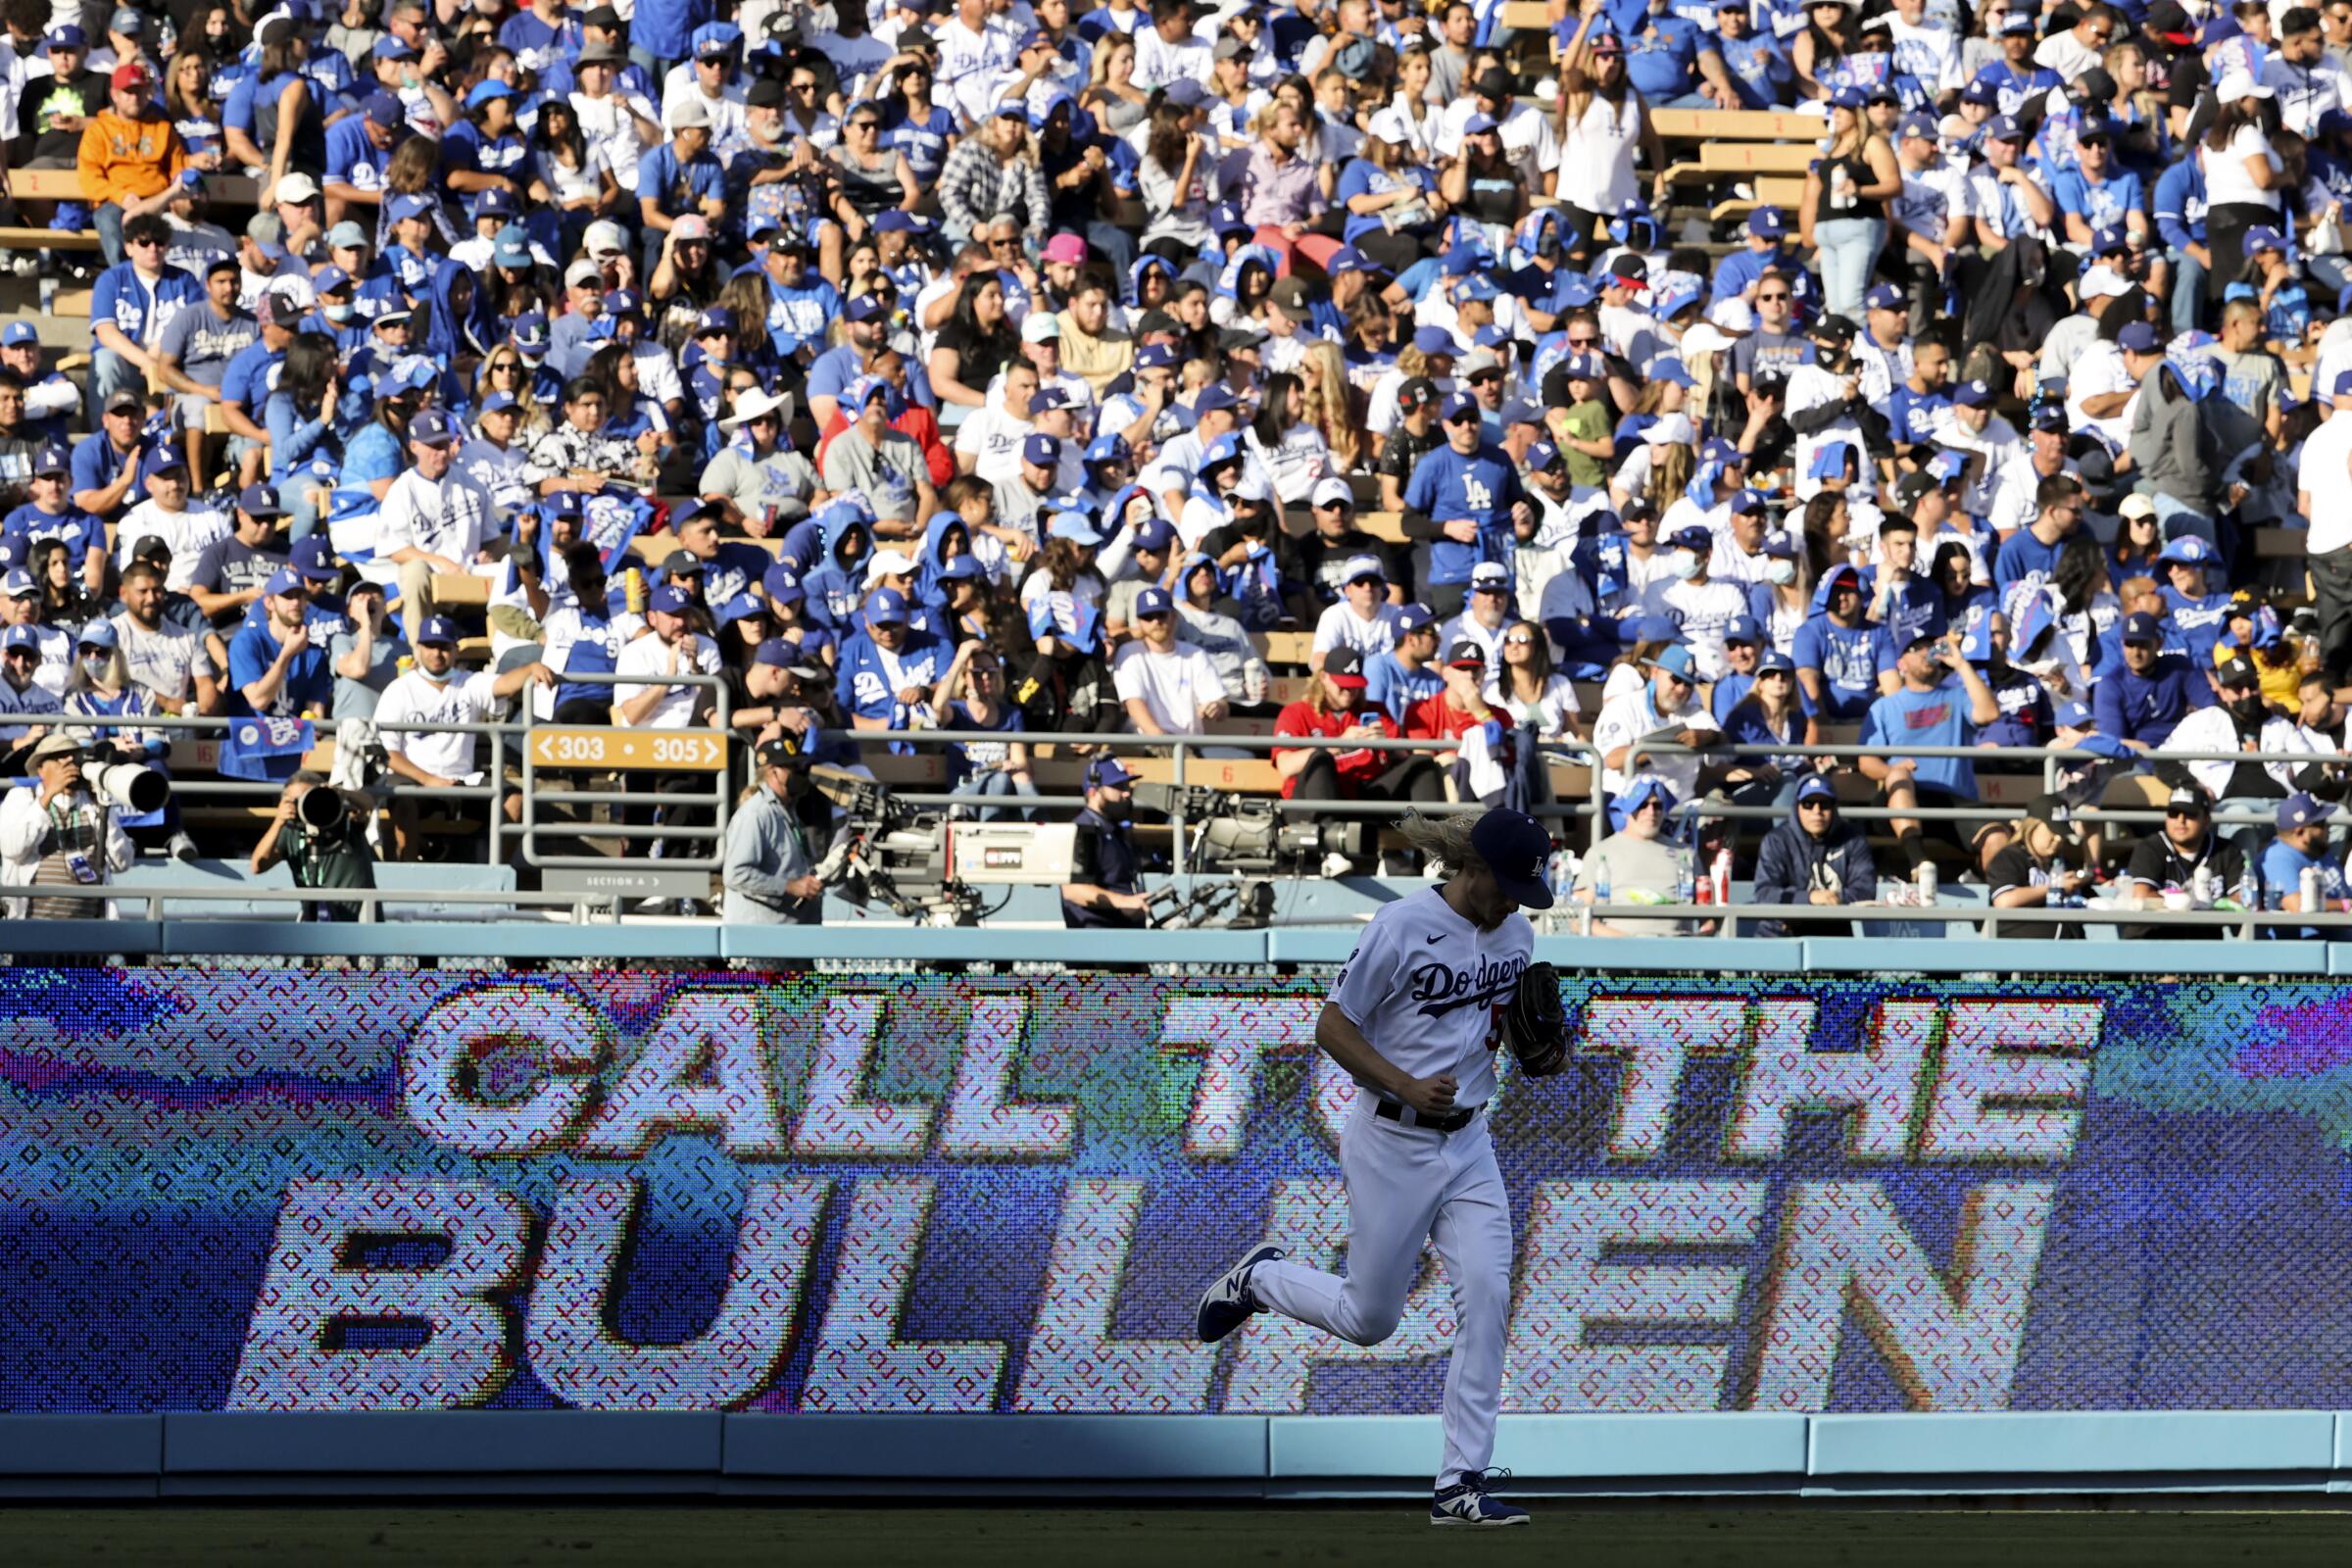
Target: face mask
1779, 573
339, 314
1683, 564
1117, 811
2248, 707
95, 668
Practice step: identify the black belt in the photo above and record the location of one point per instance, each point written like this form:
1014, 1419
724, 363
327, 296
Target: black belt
1394, 1111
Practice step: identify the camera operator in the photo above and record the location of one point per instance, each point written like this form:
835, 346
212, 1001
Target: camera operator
769, 875
1105, 886
324, 842
58, 833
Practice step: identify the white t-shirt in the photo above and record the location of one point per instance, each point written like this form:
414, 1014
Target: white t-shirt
650, 657
1423, 984
1625, 719
2227, 182
1174, 685
609, 126
449, 517
1340, 626
186, 532
413, 699
2324, 473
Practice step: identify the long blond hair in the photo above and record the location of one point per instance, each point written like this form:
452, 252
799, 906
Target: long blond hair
1445, 838
1331, 402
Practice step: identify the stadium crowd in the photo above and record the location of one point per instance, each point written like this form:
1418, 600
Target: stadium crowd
1000, 367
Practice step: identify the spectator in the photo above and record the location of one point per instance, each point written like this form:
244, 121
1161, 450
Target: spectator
2168, 865
368, 652
273, 666
131, 302
23, 696
2144, 702
1486, 764
231, 570
2241, 721
2300, 846
167, 514
1814, 857
1665, 710
970, 695
435, 519
1335, 706
166, 658
1637, 864
888, 668
1926, 710
1168, 687
58, 833
1363, 619
1408, 671
2030, 872
1837, 651
131, 159
192, 355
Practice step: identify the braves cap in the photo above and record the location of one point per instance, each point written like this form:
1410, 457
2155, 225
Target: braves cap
1345, 667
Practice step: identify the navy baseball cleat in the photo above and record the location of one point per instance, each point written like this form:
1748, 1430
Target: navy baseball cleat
1471, 1501
1227, 1303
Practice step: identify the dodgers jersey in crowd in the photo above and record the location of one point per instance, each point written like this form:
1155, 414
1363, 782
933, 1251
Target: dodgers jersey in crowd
1423, 985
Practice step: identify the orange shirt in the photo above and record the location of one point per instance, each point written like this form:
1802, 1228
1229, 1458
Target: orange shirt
122, 157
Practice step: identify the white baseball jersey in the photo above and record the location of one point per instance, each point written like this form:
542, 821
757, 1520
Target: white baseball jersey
1423, 985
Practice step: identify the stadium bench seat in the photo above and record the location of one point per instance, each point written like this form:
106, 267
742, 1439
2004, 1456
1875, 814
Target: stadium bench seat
64, 186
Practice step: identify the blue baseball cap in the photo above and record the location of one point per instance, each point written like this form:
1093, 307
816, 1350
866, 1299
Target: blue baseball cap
499, 402
2186, 550
1973, 394
1885, 297
1435, 340
68, 36
486, 91
1477, 286
2014, 21
717, 318
1541, 455
668, 600
20, 637
1111, 448
1156, 357
1677, 660
1154, 602
1671, 370
783, 585
1043, 450
2004, 128
885, 606
2142, 627
865, 308
1815, 787
437, 630
17, 334
433, 428
260, 500
314, 558
1772, 659
1921, 125
1216, 395
1075, 526
1105, 774
1744, 629
1414, 617
52, 459
2301, 811
286, 581
98, 632
1767, 223
1849, 98
1456, 405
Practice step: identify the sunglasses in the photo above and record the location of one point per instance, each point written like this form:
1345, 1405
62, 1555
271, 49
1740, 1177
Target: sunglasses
1486, 375
1771, 298
1581, 342
1518, 642
2185, 813
1678, 680
1815, 804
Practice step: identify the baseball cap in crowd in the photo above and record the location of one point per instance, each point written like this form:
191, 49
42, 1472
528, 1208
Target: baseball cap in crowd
886, 607
1542, 456
314, 558
22, 639
52, 459
1105, 774
129, 77
1155, 535
1815, 787
287, 581
1154, 602
2003, 127
2188, 800
1212, 398
784, 751
2238, 86
2138, 338
18, 332
18, 585
1075, 526
1922, 126
346, 236
260, 500
667, 600
1973, 394
1767, 223
1457, 405
1333, 492
1435, 340
1490, 576
1466, 655
1414, 617
1345, 667
98, 632
1043, 450
1185, 93
1885, 297
783, 585
2299, 809
1518, 851
2142, 627
2188, 550
1364, 568
1744, 629
433, 428
2053, 813
1677, 660
2238, 674
439, 629
1911, 487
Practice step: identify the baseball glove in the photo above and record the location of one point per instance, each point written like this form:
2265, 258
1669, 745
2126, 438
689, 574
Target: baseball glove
1535, 1023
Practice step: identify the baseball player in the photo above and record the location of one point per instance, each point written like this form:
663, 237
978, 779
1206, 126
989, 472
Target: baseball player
1414, 1017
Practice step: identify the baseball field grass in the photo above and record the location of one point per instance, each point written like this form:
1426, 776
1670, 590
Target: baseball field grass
1198, 1537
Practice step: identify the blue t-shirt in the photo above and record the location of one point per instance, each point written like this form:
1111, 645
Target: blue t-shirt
1847, 660
2011, 86
82, 533
309, 679
2199, 621
1911, 416
924, 142
1661, 58
2023, 557
96, 464
2282, 866
2131, 706
1937, 717
1759, 69
121, 297
678, 187
2102, 203
351, 158
1392, 689
1482, 487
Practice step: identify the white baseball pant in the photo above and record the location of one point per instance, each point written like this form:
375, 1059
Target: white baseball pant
1406, 1185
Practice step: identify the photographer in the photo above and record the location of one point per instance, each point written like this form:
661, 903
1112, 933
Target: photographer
324, 842
769, 873
58, 833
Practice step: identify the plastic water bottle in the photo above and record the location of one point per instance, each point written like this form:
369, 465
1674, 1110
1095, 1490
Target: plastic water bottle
1564, 877
1684, 881
2200, 885
2308, 886
1927, 884
1600, 882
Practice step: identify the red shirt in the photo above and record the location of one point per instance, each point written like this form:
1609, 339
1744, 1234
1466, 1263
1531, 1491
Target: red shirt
1432, 719
1356, 767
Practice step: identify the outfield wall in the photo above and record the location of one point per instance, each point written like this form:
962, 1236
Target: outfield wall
1791, 1232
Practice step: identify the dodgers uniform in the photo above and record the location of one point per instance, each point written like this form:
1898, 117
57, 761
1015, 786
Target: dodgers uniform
1425, 986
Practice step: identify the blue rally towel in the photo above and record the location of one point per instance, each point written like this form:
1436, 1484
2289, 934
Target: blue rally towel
266, 749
